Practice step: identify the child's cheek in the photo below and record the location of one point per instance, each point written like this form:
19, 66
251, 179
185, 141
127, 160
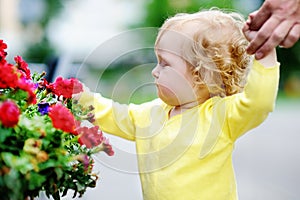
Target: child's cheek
166, 93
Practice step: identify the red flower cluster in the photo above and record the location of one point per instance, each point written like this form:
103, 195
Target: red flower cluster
16, 76
92, 137
62, 118
66, 87
9, 113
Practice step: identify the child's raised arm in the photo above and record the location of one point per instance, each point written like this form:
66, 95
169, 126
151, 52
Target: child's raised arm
252, 106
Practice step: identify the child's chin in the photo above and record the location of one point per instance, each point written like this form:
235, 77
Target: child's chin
167, 99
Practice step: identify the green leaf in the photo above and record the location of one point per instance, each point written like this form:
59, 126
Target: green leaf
4, 133
14, 185
59, 172
36, 180
33, 123
49, 164
80, 186
17, 129
56, 196
20, 163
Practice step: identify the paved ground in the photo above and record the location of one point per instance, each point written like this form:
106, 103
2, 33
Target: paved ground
266, 160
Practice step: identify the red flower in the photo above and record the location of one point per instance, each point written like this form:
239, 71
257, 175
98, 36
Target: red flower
45, 84
62, 118
107, 148
23, 67
66, 87
8, 76
29, 87
3, 54
93, 137
90, 137
9, 113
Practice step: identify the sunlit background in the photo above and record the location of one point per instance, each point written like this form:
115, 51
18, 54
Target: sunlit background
108, 44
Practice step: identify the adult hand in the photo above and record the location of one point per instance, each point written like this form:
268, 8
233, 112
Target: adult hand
277, 23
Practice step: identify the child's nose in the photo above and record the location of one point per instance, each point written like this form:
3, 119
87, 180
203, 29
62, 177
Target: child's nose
155, 72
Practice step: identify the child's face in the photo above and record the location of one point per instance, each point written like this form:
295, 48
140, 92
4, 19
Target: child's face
172, 75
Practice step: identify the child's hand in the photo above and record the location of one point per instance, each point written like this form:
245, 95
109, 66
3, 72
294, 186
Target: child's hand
77, 96
249, 34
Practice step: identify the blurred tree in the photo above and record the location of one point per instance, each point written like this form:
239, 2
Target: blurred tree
41, 49
290, 67
159, 10
35, 16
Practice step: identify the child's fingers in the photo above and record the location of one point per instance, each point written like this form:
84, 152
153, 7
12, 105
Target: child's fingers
250, 35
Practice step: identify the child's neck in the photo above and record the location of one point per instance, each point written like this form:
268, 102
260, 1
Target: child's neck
186, 106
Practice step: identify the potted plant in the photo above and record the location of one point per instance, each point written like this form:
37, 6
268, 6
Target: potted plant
44, 145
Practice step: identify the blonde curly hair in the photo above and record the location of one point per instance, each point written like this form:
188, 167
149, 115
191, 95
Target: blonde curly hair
214, 48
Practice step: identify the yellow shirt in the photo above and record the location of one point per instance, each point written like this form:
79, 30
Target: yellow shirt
189, 156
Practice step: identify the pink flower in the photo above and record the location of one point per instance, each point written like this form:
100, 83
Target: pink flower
66, 87
85, 160
9, 113
62, 118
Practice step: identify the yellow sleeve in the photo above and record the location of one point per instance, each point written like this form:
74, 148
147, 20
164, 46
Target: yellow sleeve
250, 108
110, 116
119, 119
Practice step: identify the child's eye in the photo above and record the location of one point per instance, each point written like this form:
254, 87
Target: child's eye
163, 64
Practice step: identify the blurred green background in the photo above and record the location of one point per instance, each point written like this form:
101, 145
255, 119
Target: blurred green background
35, 24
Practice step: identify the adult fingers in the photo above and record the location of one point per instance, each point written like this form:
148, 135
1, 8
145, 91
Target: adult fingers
246, 26
259, 17
263, 34
292, 37
278, 36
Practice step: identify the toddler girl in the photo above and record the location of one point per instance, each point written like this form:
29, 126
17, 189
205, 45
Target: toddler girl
210, 93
